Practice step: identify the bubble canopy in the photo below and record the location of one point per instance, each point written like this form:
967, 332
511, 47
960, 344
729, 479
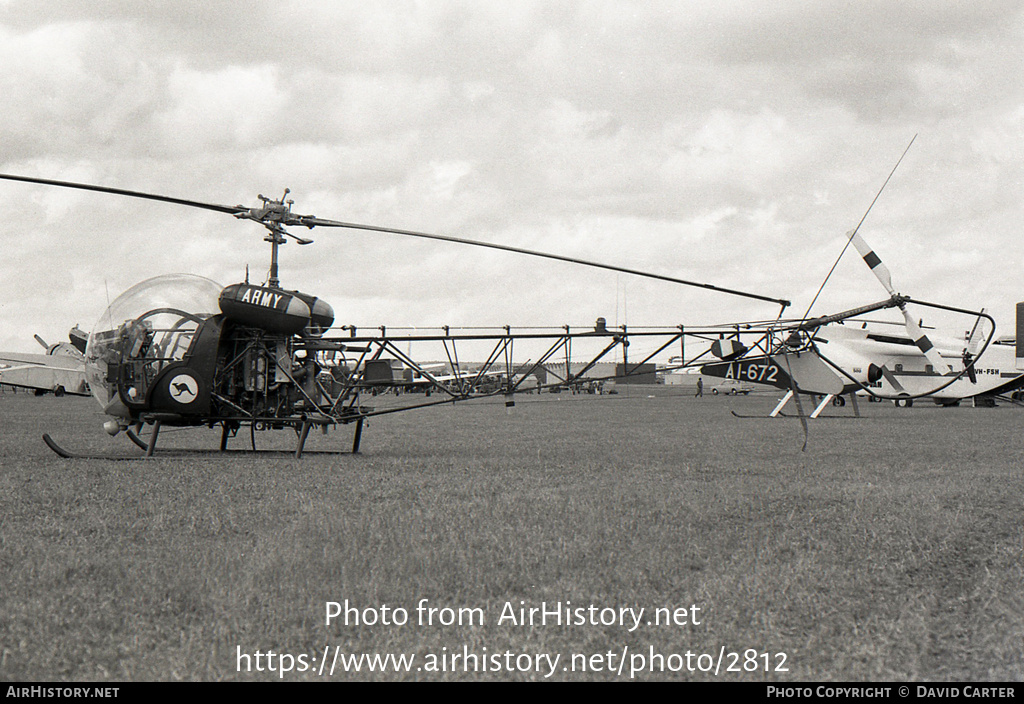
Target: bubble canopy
165, 311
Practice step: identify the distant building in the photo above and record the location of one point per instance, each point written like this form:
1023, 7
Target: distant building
638, 374
680, 379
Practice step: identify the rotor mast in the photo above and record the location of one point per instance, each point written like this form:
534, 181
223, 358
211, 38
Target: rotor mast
271, 216
276, 239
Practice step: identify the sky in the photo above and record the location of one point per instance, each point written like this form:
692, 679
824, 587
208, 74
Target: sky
730, 143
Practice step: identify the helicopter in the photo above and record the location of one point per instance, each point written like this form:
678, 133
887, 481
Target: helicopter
884, 364
871, 358
797, 361
181, 350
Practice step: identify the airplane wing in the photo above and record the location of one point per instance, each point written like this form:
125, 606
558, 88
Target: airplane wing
419, 379
44, 372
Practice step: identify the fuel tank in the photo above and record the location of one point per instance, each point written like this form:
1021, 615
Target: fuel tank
727, 349
321, 315
276, 310
270, 309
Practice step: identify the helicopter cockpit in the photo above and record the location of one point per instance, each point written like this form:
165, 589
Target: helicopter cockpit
148, 344
147, 328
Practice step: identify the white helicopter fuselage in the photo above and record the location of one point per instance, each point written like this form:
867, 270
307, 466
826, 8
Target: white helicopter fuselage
887, 362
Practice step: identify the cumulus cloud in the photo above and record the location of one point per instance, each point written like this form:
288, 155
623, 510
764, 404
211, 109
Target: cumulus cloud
729, 142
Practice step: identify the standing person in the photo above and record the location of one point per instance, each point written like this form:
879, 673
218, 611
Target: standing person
700, 388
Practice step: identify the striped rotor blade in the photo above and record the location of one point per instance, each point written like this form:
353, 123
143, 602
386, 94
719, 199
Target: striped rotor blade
896, 385
923, 343
873, 262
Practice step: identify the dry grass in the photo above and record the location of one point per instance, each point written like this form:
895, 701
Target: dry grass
890, 550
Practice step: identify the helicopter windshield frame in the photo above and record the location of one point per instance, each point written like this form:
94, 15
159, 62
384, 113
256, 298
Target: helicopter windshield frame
146, 349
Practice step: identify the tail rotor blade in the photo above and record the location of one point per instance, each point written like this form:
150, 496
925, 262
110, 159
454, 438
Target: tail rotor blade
975, 338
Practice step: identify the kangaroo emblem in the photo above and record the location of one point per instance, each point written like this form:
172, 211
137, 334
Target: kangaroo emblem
183, 388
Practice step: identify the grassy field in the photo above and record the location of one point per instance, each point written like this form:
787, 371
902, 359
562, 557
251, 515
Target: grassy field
892, 549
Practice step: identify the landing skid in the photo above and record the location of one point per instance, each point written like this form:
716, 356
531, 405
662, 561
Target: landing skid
149, 447
134, 437
847, 417
67, 454
203, 454
791, 415
827, 399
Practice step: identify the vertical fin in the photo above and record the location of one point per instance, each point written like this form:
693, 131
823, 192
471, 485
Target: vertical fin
1020, 336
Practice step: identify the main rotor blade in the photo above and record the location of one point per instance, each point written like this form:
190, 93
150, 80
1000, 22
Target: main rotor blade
882, 273
922, 342
893, 381
795, 390
872, 260
312, 222
230, 209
